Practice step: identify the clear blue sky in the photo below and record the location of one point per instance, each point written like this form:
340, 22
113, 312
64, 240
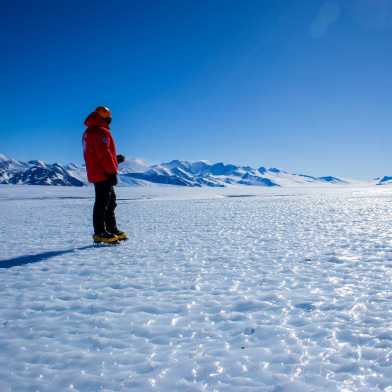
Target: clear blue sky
301, 85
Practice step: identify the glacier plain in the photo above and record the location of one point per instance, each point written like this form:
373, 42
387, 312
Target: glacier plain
237, 289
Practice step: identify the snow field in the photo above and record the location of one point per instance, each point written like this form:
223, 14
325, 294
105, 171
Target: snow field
275, 293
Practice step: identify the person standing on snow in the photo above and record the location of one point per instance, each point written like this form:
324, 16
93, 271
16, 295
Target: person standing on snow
102, 167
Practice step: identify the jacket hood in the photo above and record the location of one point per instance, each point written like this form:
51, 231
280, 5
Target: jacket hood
95, 120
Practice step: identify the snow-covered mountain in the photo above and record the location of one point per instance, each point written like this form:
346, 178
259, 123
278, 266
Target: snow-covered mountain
37, 173
133, 166
384, 180
203, 173
9, 167
138, 172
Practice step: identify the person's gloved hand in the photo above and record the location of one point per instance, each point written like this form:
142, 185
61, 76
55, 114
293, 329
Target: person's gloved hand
113, 179
120, 158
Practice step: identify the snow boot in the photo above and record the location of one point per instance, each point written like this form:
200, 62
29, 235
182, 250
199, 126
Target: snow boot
121, 235
105, 238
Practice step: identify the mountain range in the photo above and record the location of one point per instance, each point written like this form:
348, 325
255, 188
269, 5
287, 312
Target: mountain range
134, 172
384, 180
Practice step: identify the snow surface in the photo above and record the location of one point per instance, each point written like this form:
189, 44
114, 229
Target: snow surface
235, 289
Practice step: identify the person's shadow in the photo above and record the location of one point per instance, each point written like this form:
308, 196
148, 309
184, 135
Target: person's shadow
35, 258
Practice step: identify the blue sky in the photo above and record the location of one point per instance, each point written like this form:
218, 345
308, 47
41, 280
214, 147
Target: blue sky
301, 85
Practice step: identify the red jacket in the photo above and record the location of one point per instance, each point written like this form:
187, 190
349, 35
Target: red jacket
99, 149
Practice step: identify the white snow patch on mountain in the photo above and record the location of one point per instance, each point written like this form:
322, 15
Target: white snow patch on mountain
386, 180
133, 166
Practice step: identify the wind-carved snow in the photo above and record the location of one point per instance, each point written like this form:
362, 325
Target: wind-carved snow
275, 292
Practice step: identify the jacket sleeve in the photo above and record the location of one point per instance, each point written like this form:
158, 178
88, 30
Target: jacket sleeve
103, 148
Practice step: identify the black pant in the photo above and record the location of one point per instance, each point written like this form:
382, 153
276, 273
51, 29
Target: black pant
105, 204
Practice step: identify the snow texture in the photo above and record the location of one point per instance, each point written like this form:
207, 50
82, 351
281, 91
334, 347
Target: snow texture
216, 290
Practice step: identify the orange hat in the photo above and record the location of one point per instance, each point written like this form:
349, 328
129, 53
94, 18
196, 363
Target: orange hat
104, 112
